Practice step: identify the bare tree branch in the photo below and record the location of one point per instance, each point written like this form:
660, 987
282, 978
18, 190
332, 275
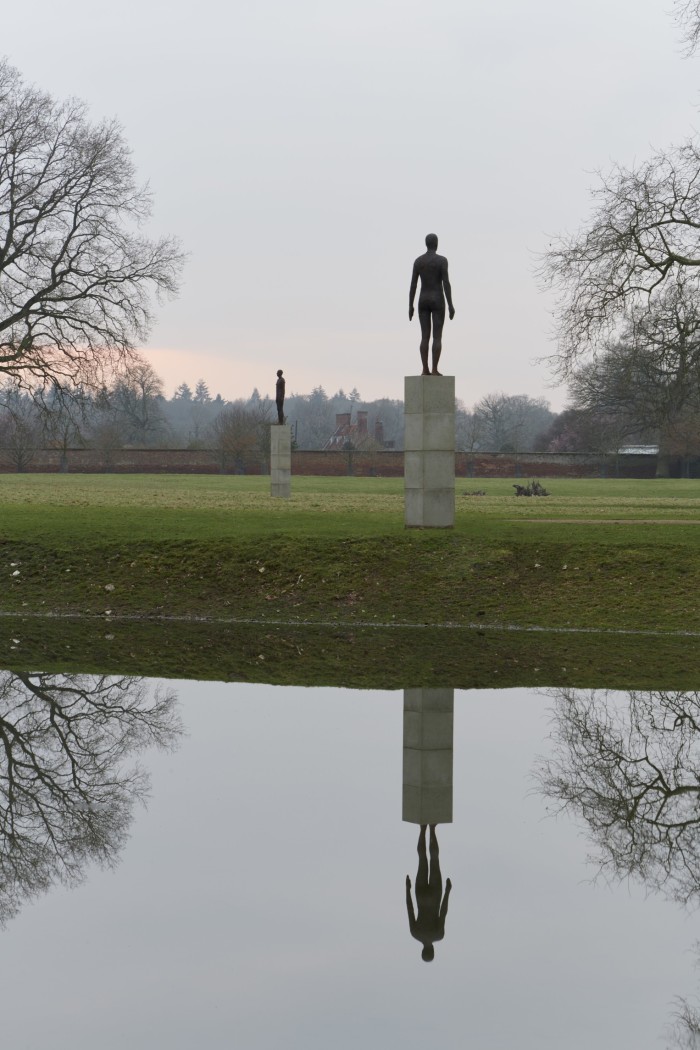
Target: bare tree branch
687, 16
76, 274
644, 236
649, 378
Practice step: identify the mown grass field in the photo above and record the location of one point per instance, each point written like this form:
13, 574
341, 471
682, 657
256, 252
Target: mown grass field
596, 554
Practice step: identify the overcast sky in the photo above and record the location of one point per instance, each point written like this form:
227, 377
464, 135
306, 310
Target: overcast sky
302, 149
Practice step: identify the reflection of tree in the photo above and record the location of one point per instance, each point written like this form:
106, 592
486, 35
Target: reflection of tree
66, 797
631, 768
684, 1033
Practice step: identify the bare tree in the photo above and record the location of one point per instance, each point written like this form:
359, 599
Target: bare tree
65, 415
470, 429
136, 401
650, 377
510, 422
315, 416
66, 791
241, 434
76, 275
643, 238
21, 428
597, 430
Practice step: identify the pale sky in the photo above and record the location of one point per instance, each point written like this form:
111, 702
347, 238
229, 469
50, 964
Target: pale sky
302, 150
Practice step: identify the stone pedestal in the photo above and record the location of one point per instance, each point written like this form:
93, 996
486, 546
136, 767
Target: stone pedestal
429, 457
428, 726
280, 460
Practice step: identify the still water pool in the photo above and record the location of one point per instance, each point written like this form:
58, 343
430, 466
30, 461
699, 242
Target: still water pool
258, 900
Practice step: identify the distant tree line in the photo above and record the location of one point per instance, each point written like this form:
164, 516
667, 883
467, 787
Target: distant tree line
636, 391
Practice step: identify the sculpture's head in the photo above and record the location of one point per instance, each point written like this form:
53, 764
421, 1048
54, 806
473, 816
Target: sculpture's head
428, 953
279, 371
431, 242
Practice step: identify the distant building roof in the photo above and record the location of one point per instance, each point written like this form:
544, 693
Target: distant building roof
355, 435
638, 450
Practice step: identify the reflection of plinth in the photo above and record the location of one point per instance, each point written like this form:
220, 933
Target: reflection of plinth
428, 723
280, 460
429, 457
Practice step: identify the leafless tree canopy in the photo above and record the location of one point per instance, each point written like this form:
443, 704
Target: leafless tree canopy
630, 767
644, 236
240, 433
76, 275
509, 422
649, 378
66, 790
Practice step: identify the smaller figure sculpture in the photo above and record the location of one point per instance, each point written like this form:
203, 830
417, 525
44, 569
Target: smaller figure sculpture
279, 396
429, 925
434, 287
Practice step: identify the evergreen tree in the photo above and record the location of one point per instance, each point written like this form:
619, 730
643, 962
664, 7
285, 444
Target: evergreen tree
201, 393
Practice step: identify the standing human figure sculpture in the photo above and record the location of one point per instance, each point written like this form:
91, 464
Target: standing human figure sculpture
429, 925
279, 396
434, 289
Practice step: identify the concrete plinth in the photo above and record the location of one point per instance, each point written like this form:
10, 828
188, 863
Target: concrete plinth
429, 457
280, 460
428, 726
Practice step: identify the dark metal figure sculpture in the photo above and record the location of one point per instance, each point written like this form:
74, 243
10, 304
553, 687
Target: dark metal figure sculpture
434, 288
429, 925
279, 396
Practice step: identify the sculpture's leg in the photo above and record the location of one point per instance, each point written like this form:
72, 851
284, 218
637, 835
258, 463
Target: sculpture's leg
438, 322
422, 873
424, 318
435, 873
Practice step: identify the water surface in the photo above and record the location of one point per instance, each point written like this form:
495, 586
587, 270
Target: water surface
259, 901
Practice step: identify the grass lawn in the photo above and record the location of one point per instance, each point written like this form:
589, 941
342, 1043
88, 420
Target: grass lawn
601, 553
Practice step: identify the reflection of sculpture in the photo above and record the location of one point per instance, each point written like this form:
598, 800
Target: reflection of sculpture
279, 396
429, 925
434, 287
428, 726
65, 796
428, 730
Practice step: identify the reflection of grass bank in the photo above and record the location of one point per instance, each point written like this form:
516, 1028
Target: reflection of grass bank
337, 552
353, 657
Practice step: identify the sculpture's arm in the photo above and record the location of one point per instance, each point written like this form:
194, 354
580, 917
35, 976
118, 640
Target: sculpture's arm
412, 292
409, 905
445, 900
448, 290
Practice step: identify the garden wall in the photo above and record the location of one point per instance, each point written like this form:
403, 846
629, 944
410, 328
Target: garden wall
338, 463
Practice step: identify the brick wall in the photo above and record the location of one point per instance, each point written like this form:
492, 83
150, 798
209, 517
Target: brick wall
341, 464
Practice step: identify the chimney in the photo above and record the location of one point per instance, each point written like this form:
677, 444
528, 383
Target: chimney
379, 432
342, 419
362, 423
